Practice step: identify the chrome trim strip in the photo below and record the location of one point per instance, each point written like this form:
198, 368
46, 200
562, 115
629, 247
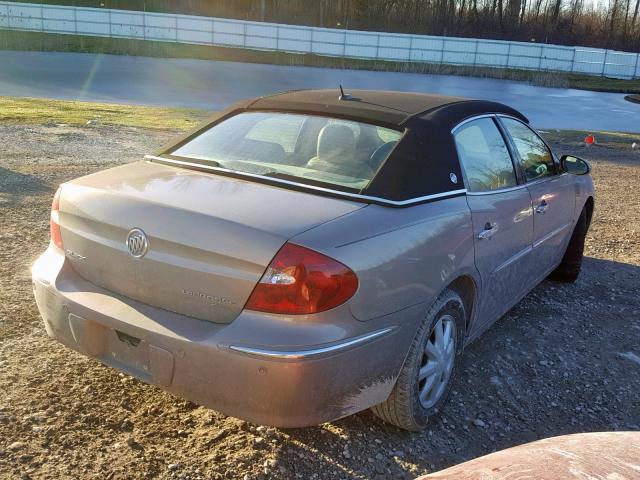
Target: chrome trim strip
501, 190
356, 196
471, 119
314, 352
506, 115
514, 258
546, 178
523, 185
549, 235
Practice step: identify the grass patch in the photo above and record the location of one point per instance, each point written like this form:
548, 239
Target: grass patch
618, 140
603, 84
16, 40
42, 111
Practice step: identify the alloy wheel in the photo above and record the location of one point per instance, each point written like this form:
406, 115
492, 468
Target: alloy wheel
438, 358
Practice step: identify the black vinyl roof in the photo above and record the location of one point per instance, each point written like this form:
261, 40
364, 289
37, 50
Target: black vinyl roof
367, 105
425, 162
373, 106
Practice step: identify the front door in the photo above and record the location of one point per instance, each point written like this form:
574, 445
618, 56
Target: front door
552, 194
502, 218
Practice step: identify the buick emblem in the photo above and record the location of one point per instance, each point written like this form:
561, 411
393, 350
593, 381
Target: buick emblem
137, 243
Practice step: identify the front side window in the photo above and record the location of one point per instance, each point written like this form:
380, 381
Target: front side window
302, 148
535, 157
484, 156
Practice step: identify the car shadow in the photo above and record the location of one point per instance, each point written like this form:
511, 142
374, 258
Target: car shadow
557, 363
14, 185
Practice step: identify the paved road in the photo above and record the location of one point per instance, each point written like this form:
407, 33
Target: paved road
213, 85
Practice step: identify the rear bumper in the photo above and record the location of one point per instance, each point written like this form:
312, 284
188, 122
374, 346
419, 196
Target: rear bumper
285, 372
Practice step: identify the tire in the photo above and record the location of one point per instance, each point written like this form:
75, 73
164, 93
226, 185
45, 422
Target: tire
569, 268
404, 407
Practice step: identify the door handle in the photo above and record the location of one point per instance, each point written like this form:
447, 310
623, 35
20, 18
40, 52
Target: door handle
489, 231
542, 207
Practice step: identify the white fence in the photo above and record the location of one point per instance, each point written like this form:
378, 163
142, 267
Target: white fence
321, 41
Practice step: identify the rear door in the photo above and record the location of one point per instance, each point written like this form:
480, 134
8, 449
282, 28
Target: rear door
552, 194
501, 214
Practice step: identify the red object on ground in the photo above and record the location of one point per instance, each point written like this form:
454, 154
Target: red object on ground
590, 139
610, 455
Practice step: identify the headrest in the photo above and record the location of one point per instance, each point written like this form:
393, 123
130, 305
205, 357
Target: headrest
335, 140
381, 153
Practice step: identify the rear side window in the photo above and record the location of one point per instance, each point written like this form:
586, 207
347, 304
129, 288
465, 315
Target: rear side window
484, 156
535, 157
302, 148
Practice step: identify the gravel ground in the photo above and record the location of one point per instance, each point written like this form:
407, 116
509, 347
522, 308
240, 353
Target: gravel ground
566, 359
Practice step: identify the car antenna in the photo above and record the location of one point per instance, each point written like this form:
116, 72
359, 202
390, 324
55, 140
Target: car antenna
344, 96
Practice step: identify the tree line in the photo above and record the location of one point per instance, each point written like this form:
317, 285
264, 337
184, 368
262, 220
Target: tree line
613, 24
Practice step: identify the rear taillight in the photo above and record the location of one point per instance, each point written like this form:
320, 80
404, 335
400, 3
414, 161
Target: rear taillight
56, 237
301, 281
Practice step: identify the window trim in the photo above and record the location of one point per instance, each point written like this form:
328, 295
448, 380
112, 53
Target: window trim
307, 188
522, 183
510, 139
516, 169
168, 153
515, 158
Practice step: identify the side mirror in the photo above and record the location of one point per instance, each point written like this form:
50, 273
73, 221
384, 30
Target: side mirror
574, 165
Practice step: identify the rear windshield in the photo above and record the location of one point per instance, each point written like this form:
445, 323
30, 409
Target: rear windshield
303, 148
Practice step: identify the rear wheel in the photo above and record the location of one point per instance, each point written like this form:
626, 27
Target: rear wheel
569, 268
425, 379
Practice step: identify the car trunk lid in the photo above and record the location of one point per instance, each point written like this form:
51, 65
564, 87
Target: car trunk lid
210, 237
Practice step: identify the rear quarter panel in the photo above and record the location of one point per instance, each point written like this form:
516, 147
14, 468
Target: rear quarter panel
402, 256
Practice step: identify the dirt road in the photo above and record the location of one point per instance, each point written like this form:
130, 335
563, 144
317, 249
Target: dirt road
566, 359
